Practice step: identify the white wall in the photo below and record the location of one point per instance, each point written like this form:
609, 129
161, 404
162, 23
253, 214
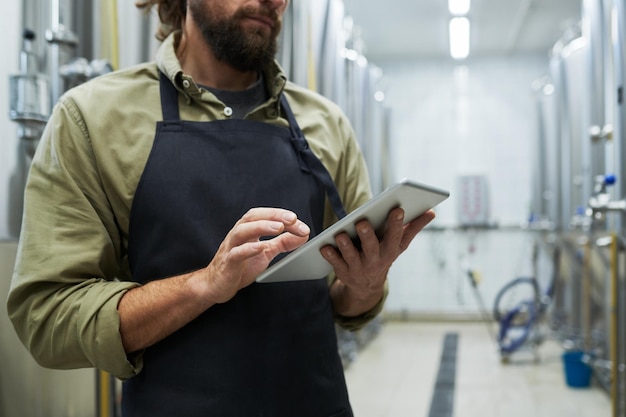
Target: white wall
10, 21
475, 118
431, 278
450, 120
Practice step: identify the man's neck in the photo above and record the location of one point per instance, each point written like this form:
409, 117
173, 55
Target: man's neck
200, 63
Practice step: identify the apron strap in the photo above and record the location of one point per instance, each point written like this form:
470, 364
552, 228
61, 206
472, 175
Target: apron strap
169, 106
313, 162
169, 98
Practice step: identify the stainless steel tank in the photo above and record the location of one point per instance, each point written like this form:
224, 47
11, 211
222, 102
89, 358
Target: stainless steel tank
562, 170
569, 71
546, 175
65, 32
619, 160
587, 69
331, 61
595, 25
321, 49
619, 143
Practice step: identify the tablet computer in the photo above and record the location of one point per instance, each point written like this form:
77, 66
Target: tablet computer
307, 263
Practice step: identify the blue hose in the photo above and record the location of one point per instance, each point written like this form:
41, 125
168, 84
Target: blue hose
507, 343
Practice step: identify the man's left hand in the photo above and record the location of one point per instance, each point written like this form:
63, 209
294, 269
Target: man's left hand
361, 273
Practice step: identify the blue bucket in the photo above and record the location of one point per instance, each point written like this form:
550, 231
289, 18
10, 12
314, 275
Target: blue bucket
577, 372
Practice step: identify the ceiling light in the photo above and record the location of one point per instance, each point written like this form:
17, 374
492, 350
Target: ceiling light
459, 7
459, 37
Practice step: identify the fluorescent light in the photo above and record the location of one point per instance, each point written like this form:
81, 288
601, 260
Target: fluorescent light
459, 37
459, 7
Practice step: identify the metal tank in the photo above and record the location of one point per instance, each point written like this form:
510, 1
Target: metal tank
617, 300
594, 29
586, 116
619, 70
364, 104
294, 43
569, 72
375, 131
565, 111
321, 48
605, 271
546, 178
65, 42
26, 389
601, 278
331, 62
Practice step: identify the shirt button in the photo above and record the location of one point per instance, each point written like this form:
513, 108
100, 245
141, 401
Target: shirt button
228, 111
186, 83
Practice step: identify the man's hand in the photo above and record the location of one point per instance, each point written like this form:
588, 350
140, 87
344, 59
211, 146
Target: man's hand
153, 311
243, 255
361, 274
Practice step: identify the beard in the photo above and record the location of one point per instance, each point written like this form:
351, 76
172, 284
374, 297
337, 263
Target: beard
241, 48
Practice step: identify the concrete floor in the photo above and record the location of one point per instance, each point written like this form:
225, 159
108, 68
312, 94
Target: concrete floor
394, 376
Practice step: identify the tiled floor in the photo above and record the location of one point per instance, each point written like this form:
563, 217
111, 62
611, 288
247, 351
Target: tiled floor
394, 376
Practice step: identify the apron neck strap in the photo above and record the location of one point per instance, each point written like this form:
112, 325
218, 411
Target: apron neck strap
170, 109
169, 98
293, 124
313, 162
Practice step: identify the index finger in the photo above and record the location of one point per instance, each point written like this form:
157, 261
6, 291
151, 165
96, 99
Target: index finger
287, 217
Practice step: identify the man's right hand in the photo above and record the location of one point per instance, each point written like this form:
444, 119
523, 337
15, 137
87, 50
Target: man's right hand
155, 310
243, 255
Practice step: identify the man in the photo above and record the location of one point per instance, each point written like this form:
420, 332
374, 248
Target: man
160, 192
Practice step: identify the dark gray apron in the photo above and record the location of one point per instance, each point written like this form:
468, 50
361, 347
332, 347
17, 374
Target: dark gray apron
271, 351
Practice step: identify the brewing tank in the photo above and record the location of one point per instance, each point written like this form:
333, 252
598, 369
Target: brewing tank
64, 43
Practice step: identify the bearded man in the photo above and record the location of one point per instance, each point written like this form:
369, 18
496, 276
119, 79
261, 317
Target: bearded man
158, 193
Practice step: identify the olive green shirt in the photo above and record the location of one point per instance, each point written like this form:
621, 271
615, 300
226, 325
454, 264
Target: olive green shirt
72, 267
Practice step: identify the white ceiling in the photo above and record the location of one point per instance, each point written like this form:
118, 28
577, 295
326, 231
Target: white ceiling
419, 28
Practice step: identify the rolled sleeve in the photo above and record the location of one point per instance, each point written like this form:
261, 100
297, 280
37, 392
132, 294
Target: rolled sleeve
65, 287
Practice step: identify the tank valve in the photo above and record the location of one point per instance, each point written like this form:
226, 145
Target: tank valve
601, 202
29, 93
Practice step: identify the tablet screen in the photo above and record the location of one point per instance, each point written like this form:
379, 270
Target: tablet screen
307, 263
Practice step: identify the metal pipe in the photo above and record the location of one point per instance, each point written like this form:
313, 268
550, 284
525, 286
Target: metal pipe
55, 53
614, 329
105, 396
593, 24
52, 392
619, 60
